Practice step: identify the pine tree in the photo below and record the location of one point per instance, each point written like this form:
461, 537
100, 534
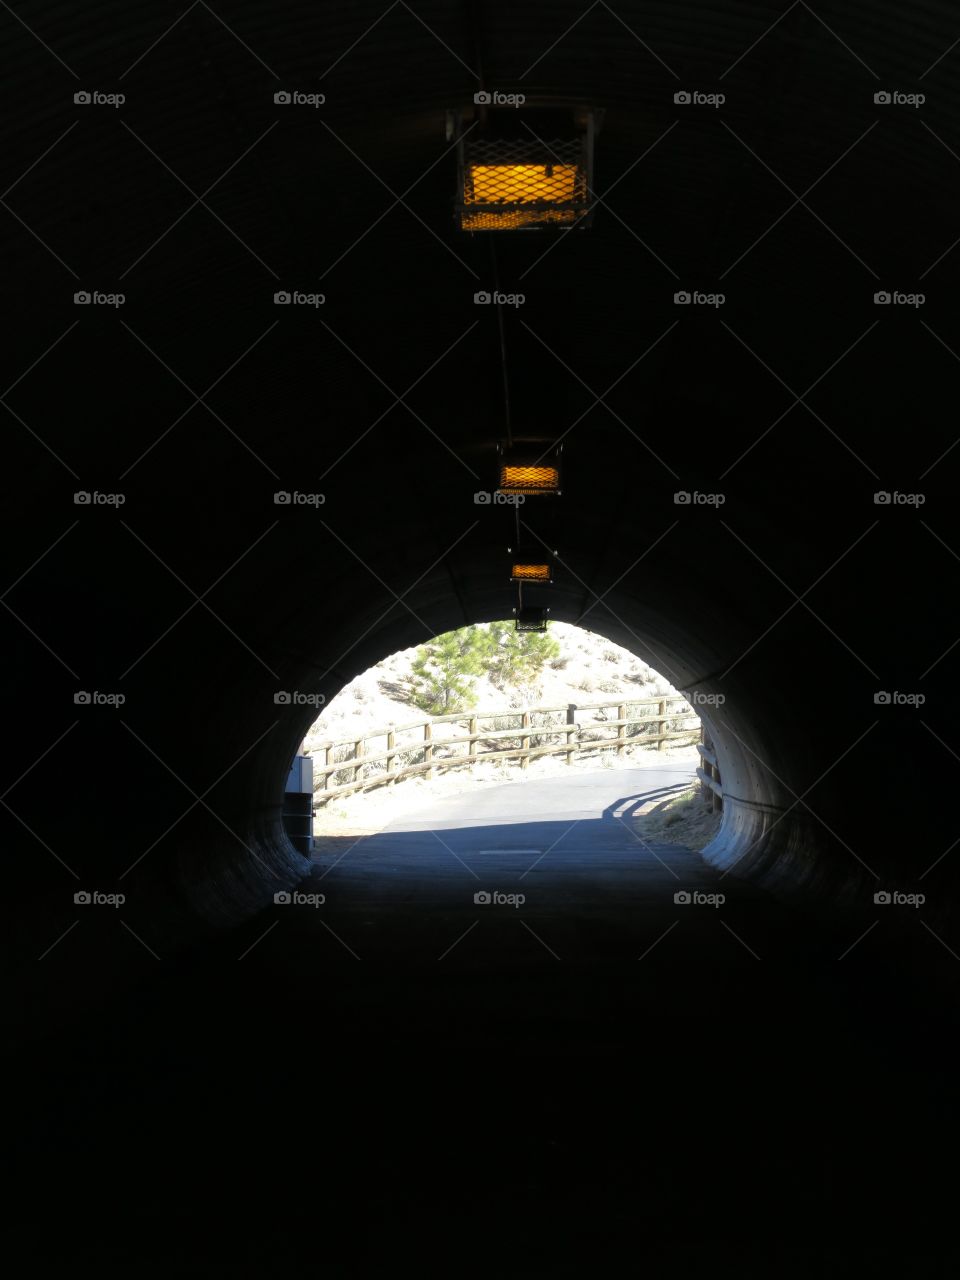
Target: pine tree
445, 670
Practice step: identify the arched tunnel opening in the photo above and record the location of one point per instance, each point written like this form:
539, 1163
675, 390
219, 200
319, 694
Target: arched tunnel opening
533, 715
256, 377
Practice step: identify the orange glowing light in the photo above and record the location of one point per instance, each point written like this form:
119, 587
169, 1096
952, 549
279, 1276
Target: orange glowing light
530, 479
530, 573
510, 196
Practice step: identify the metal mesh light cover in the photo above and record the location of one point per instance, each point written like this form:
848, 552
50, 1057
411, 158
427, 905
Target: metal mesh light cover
531, 618
528, 475
526, 572
511, 184
531, 564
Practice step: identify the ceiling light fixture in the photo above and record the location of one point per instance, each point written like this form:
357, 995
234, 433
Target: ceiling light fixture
524, 167
531, 618
529, 470
530, 566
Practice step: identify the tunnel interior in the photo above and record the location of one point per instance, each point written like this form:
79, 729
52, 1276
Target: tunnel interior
160, 395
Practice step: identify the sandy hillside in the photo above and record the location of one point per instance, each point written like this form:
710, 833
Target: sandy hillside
589, 669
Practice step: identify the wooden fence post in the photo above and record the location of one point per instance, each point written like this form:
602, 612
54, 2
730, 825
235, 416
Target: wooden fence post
525, 740
663, 725
621, 730
706, 791
328, 751
709, 773
428, 748
391, 744
717, 800
472, 746
571, 730
358, 756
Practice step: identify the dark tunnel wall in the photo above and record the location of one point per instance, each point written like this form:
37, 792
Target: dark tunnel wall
798, 599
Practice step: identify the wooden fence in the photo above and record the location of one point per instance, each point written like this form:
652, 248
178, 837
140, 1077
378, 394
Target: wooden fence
522, 741
709, 774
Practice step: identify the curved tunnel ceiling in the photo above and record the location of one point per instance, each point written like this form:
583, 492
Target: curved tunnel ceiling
798, 199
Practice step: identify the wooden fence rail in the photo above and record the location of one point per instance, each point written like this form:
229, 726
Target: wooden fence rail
365, 769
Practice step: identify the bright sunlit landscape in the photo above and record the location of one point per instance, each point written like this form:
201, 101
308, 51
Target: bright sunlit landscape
491, 668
